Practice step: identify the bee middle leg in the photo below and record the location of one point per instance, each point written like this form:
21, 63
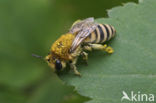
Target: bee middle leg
74, 68
104, 47
85, 57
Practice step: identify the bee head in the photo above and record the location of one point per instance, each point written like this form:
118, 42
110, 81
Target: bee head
55, 63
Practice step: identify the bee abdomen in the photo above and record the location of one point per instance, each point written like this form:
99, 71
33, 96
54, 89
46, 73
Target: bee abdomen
105, 32
101, 34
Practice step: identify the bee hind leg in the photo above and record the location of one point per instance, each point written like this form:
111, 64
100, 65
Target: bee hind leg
104, 47
74, 68
87, 47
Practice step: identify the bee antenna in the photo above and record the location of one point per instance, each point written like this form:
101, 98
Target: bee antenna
37, 56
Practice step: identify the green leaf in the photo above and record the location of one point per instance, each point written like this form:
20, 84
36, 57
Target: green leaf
132, 66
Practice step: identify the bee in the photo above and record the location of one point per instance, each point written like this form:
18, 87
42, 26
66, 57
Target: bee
83, 35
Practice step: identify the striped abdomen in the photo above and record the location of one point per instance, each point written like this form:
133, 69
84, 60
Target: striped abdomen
101, 34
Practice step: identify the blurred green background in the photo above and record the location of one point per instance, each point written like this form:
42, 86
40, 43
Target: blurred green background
31, 26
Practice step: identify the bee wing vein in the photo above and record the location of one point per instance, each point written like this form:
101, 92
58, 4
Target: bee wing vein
83, 34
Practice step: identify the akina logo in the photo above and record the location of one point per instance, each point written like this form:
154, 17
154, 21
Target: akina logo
137, 97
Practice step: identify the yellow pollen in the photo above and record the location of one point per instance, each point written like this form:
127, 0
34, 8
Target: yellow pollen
62, 46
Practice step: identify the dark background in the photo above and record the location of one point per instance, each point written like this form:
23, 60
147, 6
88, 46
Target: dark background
31, 26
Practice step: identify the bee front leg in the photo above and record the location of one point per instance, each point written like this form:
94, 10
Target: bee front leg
104, 47
74, 68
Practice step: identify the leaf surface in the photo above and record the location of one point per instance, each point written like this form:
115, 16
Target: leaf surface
132, 66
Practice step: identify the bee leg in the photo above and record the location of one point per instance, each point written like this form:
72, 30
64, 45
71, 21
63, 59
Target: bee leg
73, 67
104, 47
108, 49
85, 57
88, 48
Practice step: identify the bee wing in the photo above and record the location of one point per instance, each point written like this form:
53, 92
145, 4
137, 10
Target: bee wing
79, 24
83, 34
90, 19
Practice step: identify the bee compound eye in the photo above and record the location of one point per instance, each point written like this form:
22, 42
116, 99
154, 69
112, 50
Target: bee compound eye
58, 65
48, 60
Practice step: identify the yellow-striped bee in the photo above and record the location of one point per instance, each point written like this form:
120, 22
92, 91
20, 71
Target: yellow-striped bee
83, 35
